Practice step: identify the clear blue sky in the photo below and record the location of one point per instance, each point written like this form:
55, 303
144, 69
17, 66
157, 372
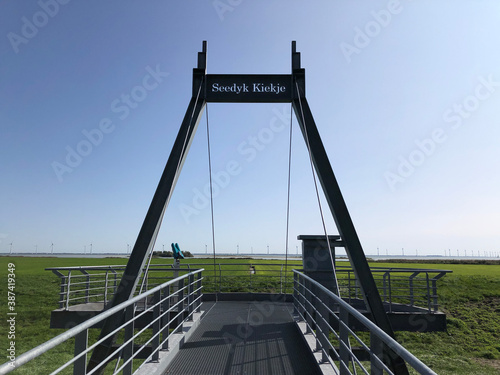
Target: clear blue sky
406, 96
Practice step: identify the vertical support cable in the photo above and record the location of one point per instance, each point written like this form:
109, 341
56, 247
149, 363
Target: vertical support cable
317, 192
306, 136
145, 273
288, 196
211, 196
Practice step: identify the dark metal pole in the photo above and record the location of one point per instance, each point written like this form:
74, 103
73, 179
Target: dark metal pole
339, 209
151, 225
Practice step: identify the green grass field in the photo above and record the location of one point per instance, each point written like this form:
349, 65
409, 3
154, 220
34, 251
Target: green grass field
470, 296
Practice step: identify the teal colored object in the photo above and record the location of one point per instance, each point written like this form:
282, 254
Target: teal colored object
177, 251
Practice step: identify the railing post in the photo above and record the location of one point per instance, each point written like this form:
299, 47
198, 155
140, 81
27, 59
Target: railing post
384, 280
376, 355
114, 281
87, 285
315, 316
220, 278
356, 287
250, 273
344, 341
166, 317
281, 279
128, 349
190, 296
106, 289
67, 289
295, 294
155, 343
349, 285
390, 291
198, 293
63, 287
434, 294
412, 296
322, 316
307, 307
180, 304
428, 292
288, 279
81, 341
63, 290
434, 288
304, 303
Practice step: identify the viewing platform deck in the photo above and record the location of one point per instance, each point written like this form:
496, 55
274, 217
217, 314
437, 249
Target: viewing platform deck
409, 295
243, 337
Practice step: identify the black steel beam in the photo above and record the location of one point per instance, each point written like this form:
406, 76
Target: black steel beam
339, 209
151, 225
344, 224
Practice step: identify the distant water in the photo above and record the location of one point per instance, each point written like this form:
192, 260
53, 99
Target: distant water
67, 255
254, 256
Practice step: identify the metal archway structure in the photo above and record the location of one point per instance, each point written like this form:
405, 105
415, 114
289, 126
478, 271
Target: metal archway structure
262, 88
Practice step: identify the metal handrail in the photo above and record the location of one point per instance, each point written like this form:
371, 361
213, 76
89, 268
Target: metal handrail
77, 268
345, 309
339, 268
408, 286
75, 331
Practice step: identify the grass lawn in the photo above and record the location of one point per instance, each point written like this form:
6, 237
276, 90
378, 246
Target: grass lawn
470, 296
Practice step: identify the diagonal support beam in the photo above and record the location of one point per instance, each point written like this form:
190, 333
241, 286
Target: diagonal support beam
154, 217
149, 230
344, 224
339, 210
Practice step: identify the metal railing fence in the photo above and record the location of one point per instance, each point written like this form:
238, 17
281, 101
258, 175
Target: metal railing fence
151, 318
409, 286
98, 284
251, 277
87, 284
315, 305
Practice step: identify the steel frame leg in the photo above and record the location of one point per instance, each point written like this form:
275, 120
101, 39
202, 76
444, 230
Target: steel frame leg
339, 209
150, 227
